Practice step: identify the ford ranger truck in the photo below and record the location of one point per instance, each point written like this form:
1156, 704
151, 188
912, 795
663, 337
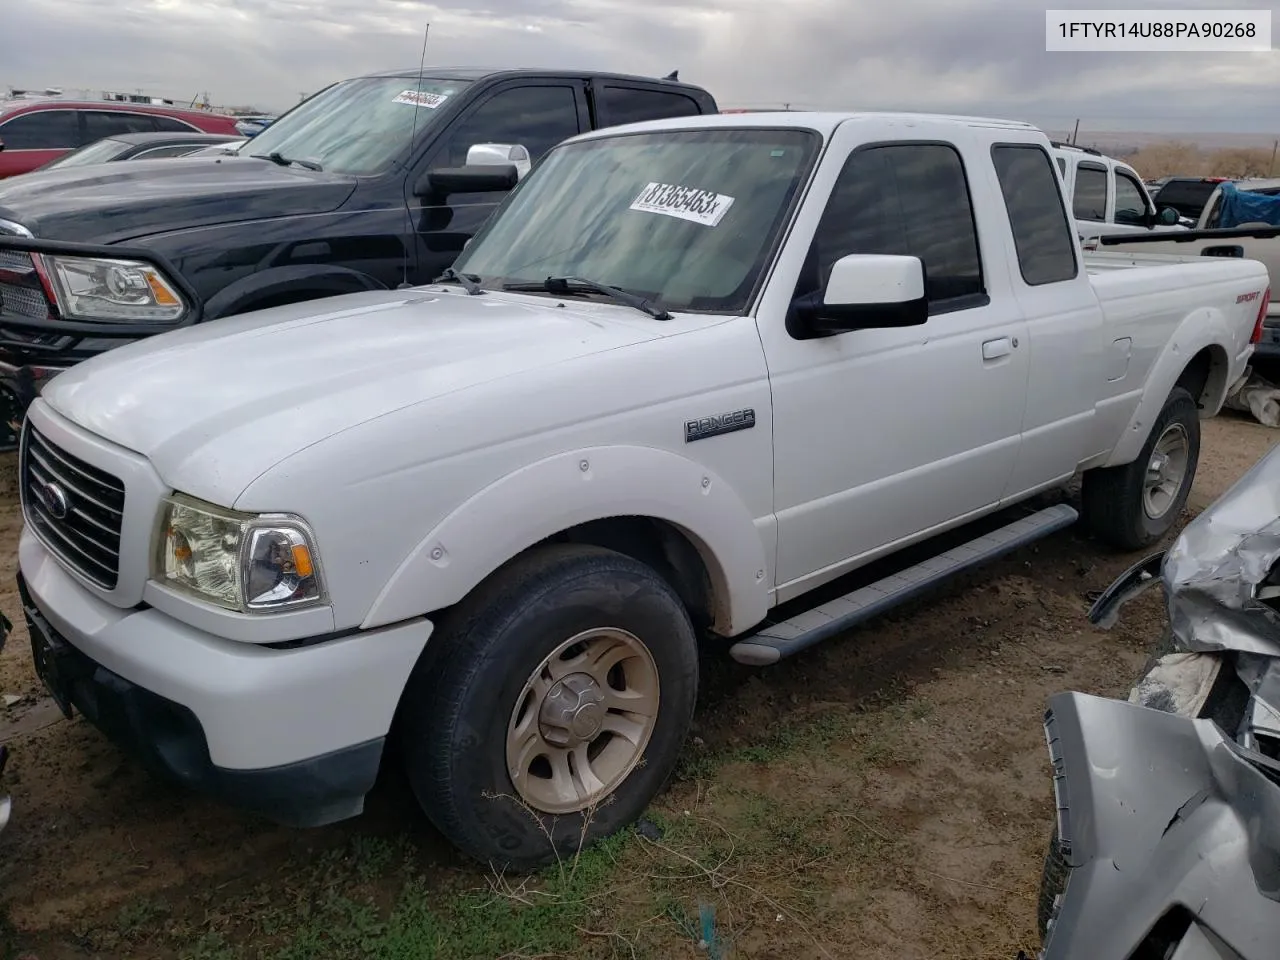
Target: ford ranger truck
690, 372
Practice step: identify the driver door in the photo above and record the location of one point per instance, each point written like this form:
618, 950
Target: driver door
885, 435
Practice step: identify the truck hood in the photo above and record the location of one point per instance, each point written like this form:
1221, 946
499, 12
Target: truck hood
115, 202
214, 406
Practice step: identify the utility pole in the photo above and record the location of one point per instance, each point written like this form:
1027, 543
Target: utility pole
1075, 132
1271, 170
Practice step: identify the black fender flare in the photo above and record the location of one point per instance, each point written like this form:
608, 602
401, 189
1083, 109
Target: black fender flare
319, 280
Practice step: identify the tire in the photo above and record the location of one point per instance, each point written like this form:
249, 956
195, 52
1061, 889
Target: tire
460, 707
1114, 506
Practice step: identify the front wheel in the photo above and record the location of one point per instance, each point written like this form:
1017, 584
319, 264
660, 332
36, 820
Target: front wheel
556, 708
1134, 505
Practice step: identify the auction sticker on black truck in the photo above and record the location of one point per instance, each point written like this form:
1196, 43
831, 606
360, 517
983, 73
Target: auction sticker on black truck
687, 203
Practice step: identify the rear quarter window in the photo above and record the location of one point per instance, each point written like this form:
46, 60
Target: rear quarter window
1089, 199
1043, 237
171, 125
633, 105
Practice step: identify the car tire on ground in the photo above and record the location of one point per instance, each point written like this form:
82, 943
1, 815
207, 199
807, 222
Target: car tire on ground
1132, 506
555, 707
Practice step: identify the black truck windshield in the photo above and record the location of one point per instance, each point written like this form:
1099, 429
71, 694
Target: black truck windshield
685, 216
356, 127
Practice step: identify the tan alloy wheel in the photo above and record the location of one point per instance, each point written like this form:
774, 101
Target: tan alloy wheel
1166, 470
582, 721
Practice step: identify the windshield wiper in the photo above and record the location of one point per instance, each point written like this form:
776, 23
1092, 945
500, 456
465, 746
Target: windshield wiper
277, 157
568, 285
470, 282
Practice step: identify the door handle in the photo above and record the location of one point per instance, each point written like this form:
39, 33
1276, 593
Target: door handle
995, 349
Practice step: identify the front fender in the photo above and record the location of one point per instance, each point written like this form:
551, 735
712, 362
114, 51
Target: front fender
1206, 327
310, 281
563, 491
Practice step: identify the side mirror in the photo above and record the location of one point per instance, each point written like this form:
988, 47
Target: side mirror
1, 146
866, 291
499, 154
491, 167
443, 181
1168, 216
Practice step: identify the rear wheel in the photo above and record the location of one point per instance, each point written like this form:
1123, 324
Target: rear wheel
1134, 505
555, 707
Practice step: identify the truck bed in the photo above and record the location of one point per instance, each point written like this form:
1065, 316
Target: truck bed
1173, 284
1097, 262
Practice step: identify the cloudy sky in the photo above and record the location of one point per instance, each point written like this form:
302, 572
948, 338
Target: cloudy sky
975, 56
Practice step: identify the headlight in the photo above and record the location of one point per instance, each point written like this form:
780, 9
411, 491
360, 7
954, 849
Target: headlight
111, 290
240, 561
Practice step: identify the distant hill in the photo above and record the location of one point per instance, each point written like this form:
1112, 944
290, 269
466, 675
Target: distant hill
1113, 142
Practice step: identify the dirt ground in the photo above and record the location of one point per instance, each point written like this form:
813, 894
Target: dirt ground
884, 796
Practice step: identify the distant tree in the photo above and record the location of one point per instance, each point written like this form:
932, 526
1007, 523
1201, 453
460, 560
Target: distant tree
1178, 159
1241, 162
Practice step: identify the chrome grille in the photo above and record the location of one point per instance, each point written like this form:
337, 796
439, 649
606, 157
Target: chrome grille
22, 297
74, 508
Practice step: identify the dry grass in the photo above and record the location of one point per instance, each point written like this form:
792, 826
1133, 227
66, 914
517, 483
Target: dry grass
1176, 158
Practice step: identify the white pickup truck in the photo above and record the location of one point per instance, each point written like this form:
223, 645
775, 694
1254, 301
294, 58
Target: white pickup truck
1107, 197
690, 371
1254, 241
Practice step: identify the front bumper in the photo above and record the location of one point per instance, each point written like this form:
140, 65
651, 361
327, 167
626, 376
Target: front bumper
295, 734
1160, 816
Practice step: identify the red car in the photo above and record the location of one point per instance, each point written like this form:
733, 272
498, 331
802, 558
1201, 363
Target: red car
33, 132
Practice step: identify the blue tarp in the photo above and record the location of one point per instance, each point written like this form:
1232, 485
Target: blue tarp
1243, 206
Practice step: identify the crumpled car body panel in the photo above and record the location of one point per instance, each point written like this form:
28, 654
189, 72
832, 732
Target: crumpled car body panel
1160, 812
1212, 572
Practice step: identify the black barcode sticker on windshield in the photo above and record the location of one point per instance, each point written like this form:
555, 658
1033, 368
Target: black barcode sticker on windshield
687, 203
428, 100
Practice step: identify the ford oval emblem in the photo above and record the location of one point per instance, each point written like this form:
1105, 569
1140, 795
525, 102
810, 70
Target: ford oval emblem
53, 498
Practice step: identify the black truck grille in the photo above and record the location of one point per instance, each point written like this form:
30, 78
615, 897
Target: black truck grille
74, 508
22, 297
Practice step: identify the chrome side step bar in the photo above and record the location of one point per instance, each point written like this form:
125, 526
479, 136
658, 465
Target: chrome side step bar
776, 641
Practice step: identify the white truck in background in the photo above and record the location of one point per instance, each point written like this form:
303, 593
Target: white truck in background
1106, 195
659, 395
1251, 241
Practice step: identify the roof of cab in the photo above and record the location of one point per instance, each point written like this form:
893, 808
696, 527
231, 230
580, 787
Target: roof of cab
484, 73
824, 123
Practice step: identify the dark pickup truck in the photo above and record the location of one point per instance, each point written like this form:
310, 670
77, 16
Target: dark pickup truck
372, 183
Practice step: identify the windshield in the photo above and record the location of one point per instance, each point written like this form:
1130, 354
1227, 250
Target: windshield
687, 216
99, 151
356, 127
